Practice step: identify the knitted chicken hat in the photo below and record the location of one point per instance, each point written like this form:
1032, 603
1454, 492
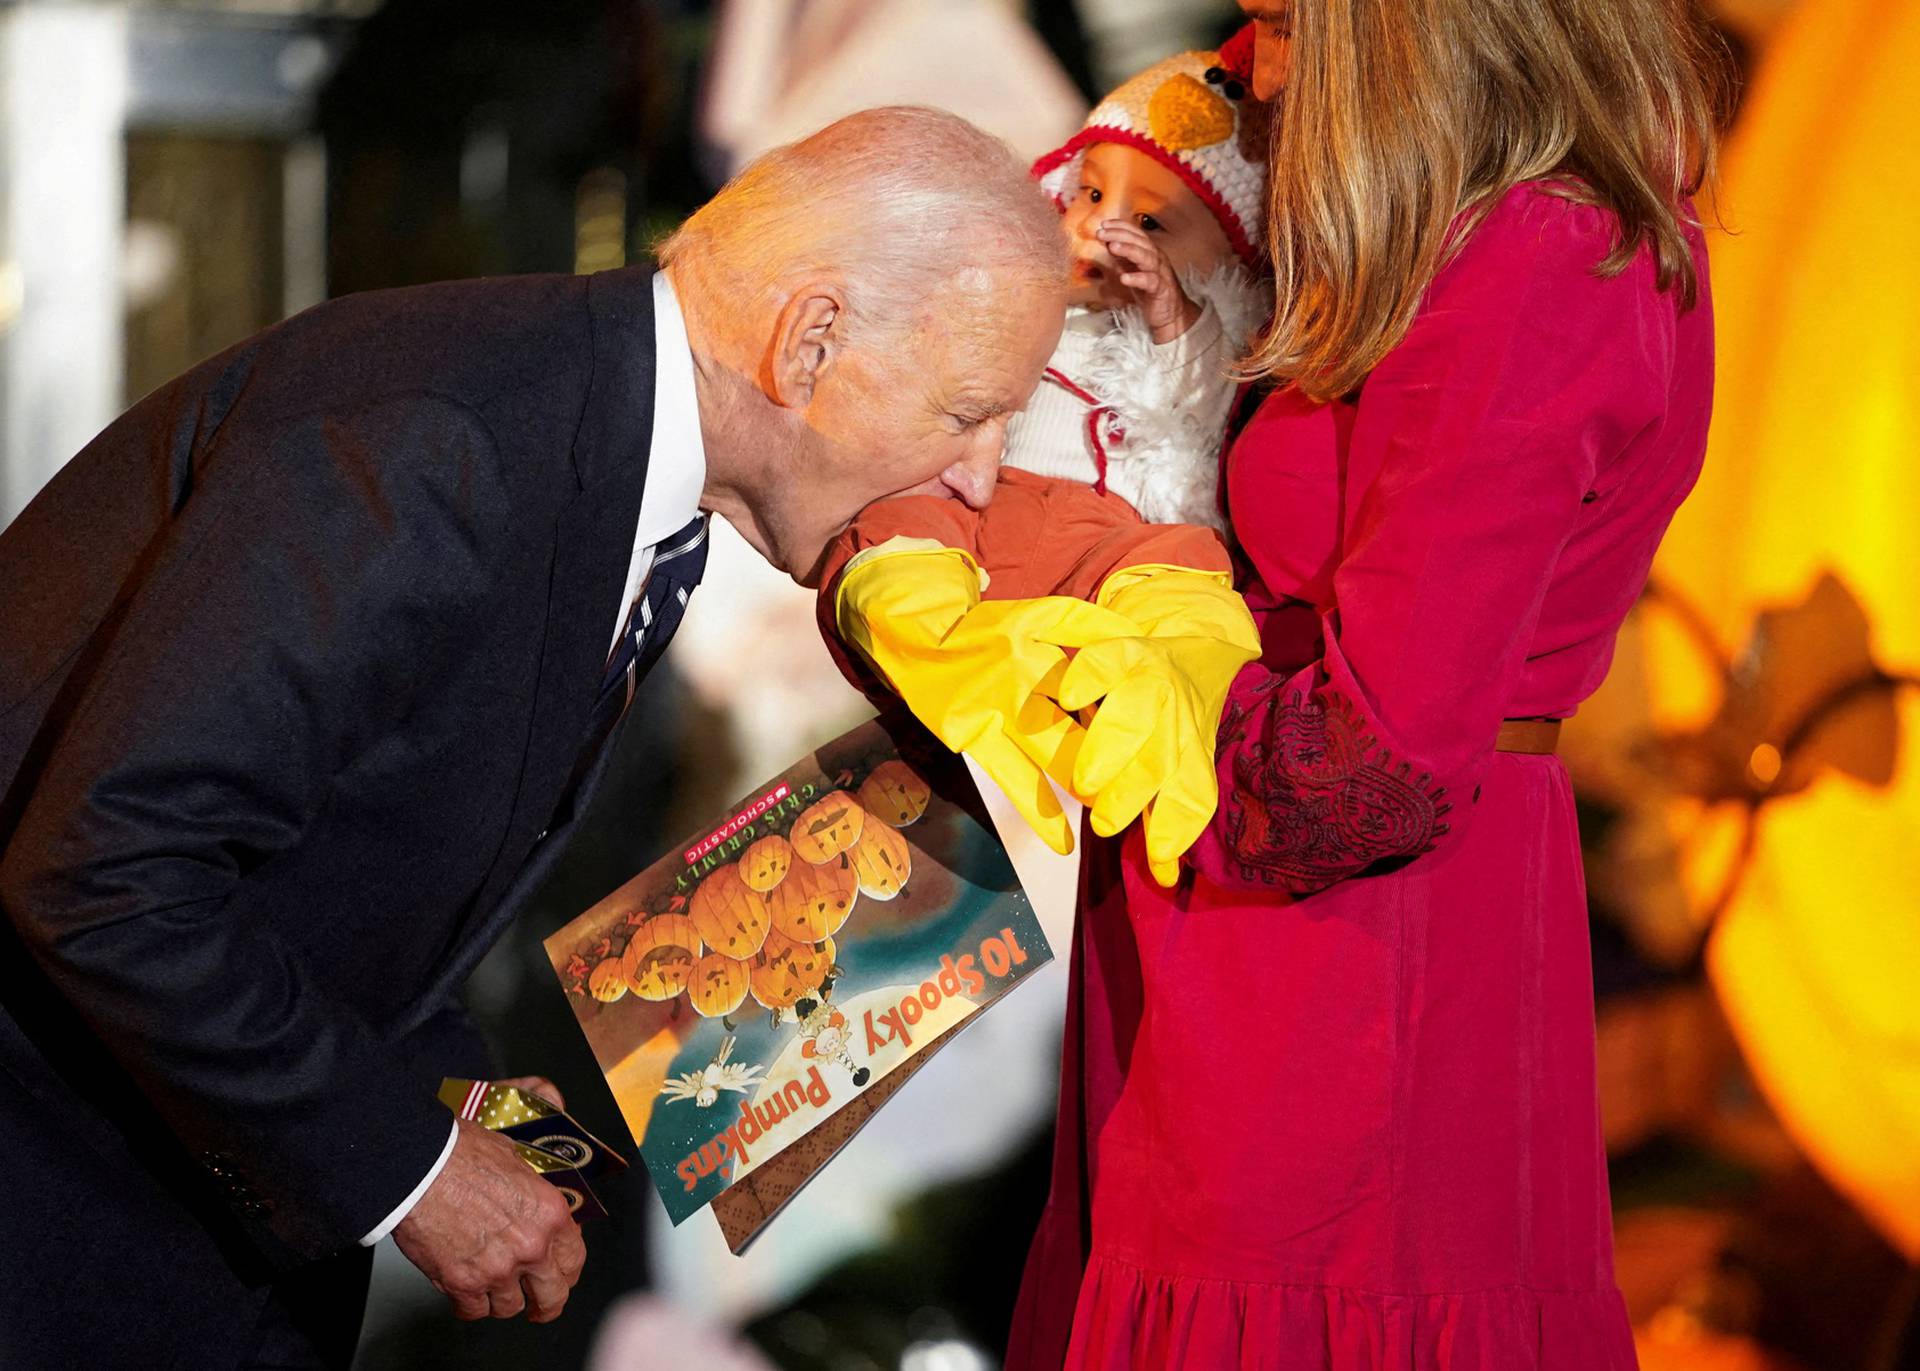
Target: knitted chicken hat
1196, 115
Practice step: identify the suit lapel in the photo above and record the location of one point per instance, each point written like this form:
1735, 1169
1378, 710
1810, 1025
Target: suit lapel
593, 544
587, 580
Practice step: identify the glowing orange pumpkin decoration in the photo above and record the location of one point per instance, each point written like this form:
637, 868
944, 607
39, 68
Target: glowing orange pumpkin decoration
814, 901
784, 970
728, 916
828, 827
660, 956
881, 862
764, 865
717, 985
894, 794
608, 981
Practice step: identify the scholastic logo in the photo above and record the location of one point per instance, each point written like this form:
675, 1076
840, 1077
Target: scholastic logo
739, 821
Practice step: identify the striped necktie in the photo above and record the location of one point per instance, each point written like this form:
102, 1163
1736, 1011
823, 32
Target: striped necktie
677, 566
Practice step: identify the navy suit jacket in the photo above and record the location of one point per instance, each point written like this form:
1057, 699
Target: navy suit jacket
296, 660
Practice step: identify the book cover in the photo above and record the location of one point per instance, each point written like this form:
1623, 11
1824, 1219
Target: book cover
793, 954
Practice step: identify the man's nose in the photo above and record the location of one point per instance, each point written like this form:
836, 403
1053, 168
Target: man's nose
971, 478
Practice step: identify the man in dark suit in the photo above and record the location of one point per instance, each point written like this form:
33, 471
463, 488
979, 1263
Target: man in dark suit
309, 661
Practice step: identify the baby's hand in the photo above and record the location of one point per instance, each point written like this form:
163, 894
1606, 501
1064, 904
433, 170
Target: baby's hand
1168, 311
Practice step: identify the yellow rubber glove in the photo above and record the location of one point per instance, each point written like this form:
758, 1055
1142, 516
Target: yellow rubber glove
971, 670
1149, 750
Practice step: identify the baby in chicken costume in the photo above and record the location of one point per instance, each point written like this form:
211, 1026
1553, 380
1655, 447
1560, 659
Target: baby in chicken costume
1106, 522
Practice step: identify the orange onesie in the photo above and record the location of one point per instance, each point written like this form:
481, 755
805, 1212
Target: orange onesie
1041, 535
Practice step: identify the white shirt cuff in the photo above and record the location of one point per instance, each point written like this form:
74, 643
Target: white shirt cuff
405, 1207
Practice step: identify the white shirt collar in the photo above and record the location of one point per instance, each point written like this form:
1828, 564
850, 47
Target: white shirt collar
676, 458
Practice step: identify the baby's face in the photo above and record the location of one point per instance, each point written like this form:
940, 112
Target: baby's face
1121, 182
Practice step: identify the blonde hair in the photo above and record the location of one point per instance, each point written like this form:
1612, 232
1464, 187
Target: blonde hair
894, 201
1405, 121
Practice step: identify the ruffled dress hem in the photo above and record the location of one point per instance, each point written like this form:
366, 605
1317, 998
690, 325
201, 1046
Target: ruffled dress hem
1132, 1319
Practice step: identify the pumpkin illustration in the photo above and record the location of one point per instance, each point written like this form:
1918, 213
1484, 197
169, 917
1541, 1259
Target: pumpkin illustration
765, 864
660, 956
828, 827
894, 794
717, 985
812, 962
729, 917
881, 862
814, 901
784, 970
608, 981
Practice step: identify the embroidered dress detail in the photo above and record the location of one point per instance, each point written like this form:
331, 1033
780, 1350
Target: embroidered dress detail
1316, 796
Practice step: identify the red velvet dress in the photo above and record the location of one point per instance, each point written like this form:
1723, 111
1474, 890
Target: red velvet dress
1330, 1103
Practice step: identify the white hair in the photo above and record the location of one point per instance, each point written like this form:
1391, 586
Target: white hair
894, 202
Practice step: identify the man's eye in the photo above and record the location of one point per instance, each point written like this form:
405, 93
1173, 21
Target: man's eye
1151, 224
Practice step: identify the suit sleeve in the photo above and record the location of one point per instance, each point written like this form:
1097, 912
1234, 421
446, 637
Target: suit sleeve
1474, 443
304, 586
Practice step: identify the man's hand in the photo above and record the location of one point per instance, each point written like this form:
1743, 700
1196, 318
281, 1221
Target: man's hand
1150, 276
493, 1237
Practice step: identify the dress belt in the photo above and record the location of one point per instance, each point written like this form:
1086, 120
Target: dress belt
1538, 737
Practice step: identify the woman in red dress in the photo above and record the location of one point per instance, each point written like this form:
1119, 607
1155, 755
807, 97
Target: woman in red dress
1329, 1102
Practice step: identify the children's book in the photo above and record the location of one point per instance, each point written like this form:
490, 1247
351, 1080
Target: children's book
753, 996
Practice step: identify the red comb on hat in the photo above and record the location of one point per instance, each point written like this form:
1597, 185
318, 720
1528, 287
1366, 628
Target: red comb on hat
1236, 54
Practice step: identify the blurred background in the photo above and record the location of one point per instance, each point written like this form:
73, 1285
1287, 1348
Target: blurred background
175, 175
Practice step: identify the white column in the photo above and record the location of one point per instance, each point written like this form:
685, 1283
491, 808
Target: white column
63, 91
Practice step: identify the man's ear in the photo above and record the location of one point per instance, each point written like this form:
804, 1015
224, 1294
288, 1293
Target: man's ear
806, 342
